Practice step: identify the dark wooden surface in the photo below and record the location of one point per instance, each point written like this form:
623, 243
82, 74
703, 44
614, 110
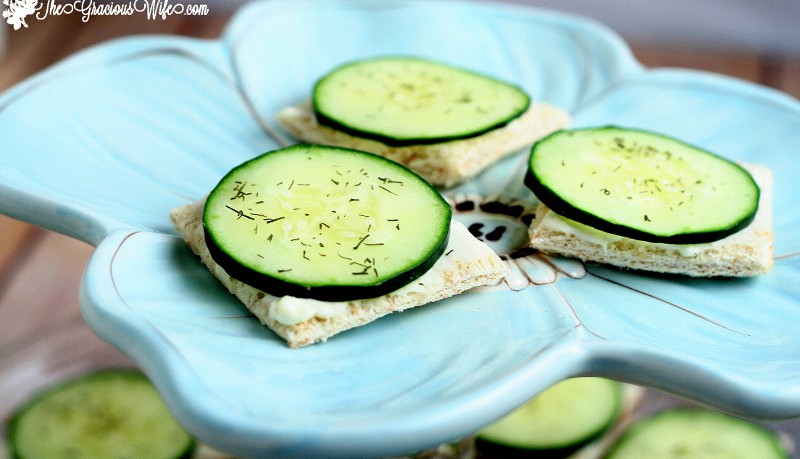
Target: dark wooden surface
40, 270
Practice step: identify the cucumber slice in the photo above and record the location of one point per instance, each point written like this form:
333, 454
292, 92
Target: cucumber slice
557, 422
696, 433
108, 413
326, 223
409, 100
641, 185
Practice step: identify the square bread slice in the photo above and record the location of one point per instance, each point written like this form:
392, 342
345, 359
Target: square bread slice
748, 252
442, 164
466, 263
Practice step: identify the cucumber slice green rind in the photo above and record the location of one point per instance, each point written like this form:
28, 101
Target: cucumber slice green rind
696, 433
558, 421
326, 223
413, 101
108, 413
641, 185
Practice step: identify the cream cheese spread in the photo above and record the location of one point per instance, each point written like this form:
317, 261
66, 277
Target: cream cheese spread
289, 310
555, 222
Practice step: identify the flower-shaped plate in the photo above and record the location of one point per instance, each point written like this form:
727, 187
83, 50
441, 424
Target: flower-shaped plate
101, 146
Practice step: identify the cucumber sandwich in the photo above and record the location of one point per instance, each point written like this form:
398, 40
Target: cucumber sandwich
315, 240
576, 418
109, 413
643, 200
444, 122
686, 432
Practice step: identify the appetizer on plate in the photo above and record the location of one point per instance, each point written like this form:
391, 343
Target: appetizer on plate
642, 200
696, 432
445, 123
113, 412
575, 418
315, 240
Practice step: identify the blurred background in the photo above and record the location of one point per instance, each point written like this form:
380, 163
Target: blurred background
763, 26
766, 29
767, 26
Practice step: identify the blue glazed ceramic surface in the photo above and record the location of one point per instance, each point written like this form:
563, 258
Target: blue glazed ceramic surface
101, 146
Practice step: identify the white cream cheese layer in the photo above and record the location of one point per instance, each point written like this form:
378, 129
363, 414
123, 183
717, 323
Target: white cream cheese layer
289, 310
555, 222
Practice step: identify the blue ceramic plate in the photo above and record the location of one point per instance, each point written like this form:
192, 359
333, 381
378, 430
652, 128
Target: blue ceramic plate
104, 144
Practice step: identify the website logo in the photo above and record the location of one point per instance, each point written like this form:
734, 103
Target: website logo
15, 12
